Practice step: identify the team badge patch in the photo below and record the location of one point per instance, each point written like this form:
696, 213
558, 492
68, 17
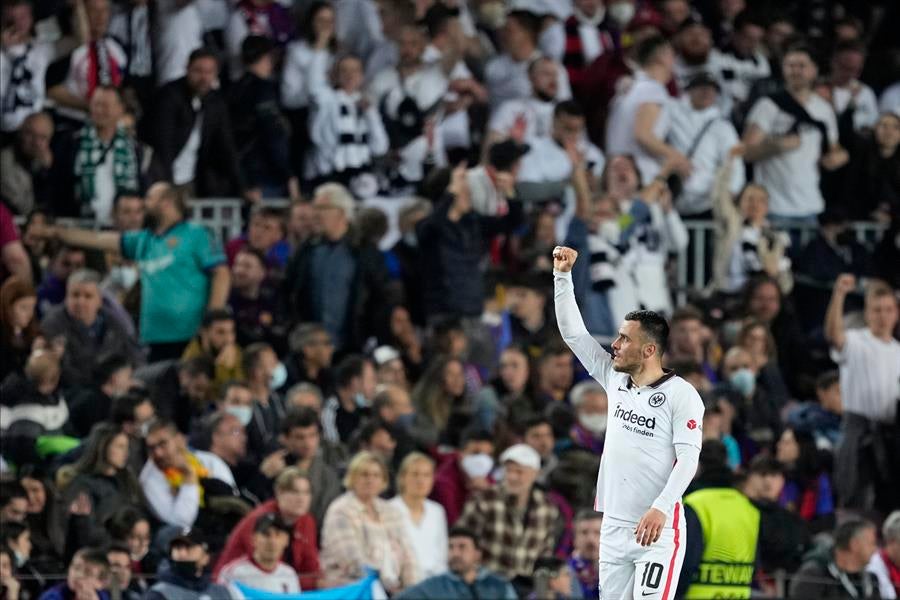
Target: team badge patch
657, 399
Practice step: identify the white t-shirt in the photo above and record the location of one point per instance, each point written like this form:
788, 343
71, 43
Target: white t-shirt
295, 92
865, 111
104, 190
645, 423
282, 580
184, 167
507, 79
179, 33
538, 117
547, 161
870, 375
792, 178
428, 538
620, 126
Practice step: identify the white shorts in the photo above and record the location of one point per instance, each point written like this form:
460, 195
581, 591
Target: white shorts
629, 570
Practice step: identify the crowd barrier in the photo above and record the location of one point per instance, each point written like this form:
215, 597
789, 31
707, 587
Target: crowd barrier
223, 217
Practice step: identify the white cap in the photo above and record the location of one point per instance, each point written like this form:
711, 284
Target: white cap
385, 354
522, 454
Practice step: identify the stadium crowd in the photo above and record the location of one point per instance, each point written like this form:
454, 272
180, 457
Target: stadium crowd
371, 375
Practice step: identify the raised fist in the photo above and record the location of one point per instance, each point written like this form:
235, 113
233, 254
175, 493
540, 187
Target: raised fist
564, 259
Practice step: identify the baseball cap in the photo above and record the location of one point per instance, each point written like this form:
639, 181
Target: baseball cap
189, 537
503, 155
269, 521
703, 78
385, 354
522, 454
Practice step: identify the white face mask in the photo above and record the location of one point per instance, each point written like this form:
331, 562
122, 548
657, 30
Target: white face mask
594, 423
621, 13
244, 414
476, 465
279, 376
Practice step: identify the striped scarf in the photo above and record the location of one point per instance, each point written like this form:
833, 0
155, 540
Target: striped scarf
573, 58
353, 135
92, 153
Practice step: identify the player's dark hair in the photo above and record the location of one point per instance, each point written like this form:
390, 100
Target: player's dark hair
654, 327
848, 530
648, 49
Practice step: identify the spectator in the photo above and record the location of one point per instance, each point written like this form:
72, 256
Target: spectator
554, 374
854, 546
256, 18
8, 582
791, 134
18, 325
585, 556
453, 282
512, 553
266, 235
591, 407
260, 130
129, 527
310, 358
227, 441
424, 520
13, 504
291, 507
361, 530
263, 569
178, 389
134, 412
24, 62
299, 224
65, 261
441, 403
525, 119
190, 278
111, 379
194, 144
344, 412
853, 101
27, 165
742, 61
506, 75
686, 340
640, 119
87, 577
807, 487
98, 61
92, 332
389, 368
265, 374
15, 541
511, 392
185, 575
872, 174
130, 27
869, 362
757, 409
821, 417
755, 338
885, 563
253, 301
702, 134
302, 449
466, 574
171, 479
345, 128
120, 574
357, 300
378, 438
217, 342
692, 42
589, 32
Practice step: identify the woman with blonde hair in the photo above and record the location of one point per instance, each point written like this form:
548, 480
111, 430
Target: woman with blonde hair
362, 530
425, 520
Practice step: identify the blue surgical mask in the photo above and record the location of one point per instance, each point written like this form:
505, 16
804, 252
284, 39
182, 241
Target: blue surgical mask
360, 400
279, 376
744, 381
244, 414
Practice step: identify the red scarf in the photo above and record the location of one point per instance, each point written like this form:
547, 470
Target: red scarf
892, 569
102, 69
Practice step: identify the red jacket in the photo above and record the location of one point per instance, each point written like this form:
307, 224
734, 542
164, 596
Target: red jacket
304, 546
450, 488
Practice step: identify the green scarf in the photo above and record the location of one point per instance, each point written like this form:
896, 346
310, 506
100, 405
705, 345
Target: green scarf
92, 153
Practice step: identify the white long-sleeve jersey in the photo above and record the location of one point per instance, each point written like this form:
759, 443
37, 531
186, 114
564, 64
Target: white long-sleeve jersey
654, 432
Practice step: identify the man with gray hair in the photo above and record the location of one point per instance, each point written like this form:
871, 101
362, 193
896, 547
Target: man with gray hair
336, 280
591, 412
309, 360
885, 563
93, 331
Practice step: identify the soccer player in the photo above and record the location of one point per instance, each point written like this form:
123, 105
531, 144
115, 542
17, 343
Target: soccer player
653, 441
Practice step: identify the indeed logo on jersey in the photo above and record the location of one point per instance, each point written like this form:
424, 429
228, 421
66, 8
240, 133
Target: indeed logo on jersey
630, 417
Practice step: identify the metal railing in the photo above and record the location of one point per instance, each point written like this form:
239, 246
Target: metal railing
691, 265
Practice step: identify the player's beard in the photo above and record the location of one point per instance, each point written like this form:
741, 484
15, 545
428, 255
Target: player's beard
626, 367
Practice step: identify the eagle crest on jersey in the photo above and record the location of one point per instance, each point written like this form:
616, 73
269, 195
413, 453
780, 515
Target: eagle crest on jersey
657, 399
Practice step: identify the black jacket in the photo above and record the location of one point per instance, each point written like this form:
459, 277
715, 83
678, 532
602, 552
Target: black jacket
370, 299
217, 172
452, 253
